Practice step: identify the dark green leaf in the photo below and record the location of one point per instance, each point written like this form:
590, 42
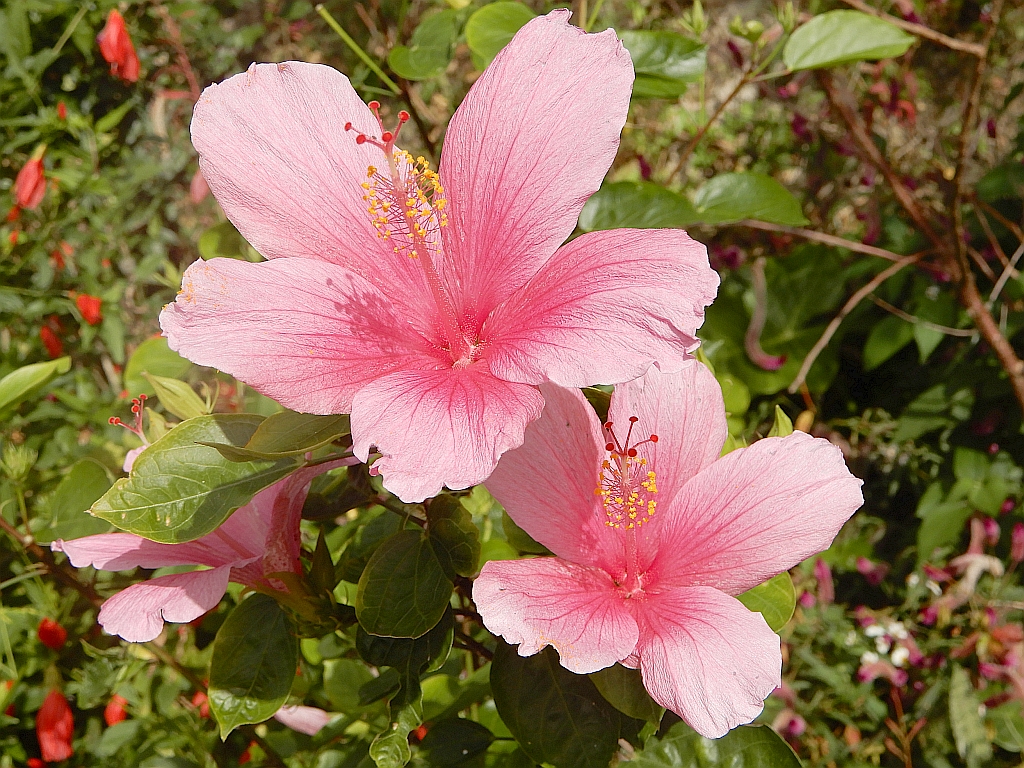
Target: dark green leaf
775, 600
665, 62
519, 539
624, 690
153, 356
638, 205
253, 665
343, 679
887, 337
19, 384
491, 27
287, 434
557, 717
224, 241
429, 49
180, 490
455, 537
839, 37
748, 746
735, 196
1009, 725
453, 742
177, 397
1004, 182
70, 502
403, 591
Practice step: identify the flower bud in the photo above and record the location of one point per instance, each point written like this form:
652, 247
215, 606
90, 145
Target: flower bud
55, 727
1017, 543
51, 634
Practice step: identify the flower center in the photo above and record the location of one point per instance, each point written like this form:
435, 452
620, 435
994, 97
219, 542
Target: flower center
406, 202
626, 487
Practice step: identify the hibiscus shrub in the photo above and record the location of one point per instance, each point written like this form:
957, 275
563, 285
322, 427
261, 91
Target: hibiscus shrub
393, 449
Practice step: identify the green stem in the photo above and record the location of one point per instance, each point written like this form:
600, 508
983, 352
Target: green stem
357, 50
70, 29
593, 16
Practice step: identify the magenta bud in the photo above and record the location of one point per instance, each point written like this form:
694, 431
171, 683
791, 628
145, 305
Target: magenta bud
1017, 543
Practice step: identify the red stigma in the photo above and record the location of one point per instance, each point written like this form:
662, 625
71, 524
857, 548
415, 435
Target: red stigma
631, 452
387, 136
608, 425
113, 420
374, 105
403, 116
633, 419
348, 126
653, 438
609, 447
361, 139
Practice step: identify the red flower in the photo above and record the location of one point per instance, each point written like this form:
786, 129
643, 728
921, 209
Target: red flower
115, 711
55, 727
35, 762
116, 47
53, 345
201, 701
51, 634
30, 184
90, 307
62, 110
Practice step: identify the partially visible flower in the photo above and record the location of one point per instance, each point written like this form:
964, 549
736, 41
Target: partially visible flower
202, 703
55, 728
198, 189
116, 47
1017, 543
91, 308
871, 670
826, 587
259, 539
991, 531
648, 563
138, 409
54, 346
51, 634
35, 762
116, 710
30, 184
433, 321
873, 572
58, 254
62, 110
789, 724
307, 720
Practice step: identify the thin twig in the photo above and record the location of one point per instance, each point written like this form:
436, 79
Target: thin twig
978, 259
821, 237
994, 212
902, 315
1011, 268
357, 50
920, 30
992, 239
688, 150
833, 326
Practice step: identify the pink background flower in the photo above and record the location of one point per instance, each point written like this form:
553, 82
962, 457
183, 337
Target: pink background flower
437, 357
653, 586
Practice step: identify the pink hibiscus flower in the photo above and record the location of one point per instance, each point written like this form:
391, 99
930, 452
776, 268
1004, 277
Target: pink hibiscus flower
430, 305
654, 538
259, 539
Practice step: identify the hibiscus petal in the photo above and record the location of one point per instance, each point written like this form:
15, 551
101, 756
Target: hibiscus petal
549, 601
273, 148
547, 485
138, 613
307, 720
707, 658
307, 333
124, 551
686, 412
529, 144
754, 513
440, 427
603, 309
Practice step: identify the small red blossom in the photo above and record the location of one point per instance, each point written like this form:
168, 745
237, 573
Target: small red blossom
62, 110
30, 184
35, 762
55, 727
117, 49
12, 215
54, 347
13, 237
51, 634
202, 703
90, 307
115, 711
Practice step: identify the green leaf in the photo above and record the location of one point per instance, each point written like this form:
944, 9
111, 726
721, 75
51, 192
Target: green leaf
18, 385
637, 205
114, 117
491, 27
224, 241
254, 658
887, 337
403, 591
1009, 726
455, 741
735, 196
289, 433
965, 719
430, 47
600, 400
557, 717
624, 689
775, 600
839, 37
81, 487
453, 534
748, 746
519, 539
783, 425
155, 357
665, 62
177, 396
935, 408
180, 490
